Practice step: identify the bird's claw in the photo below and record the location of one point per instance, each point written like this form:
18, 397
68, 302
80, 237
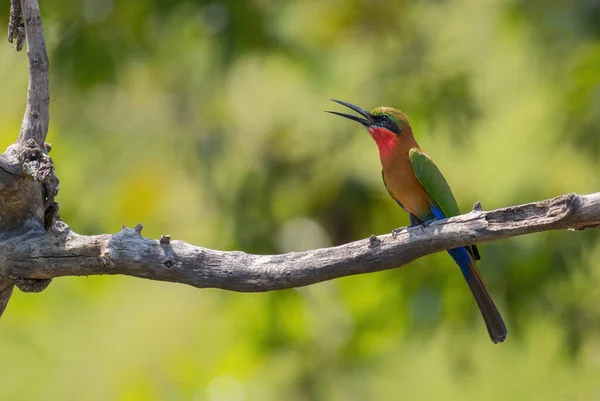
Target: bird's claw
427, 223
413, 223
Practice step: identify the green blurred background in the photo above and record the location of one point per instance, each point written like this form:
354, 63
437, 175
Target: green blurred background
205, 120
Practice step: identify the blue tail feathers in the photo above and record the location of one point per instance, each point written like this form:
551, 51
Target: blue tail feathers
491, 316
463, 260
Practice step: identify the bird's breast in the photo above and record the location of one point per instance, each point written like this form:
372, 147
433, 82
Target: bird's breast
404, 186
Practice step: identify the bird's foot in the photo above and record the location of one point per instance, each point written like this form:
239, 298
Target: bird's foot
427, 223
414, 221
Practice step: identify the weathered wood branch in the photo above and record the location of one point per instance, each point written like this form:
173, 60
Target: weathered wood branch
28, 184
37, 115
61, 252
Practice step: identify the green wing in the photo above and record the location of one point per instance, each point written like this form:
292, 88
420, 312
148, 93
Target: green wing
437, 187
434, 182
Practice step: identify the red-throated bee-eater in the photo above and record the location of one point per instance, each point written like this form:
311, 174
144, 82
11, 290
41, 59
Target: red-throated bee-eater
415, 182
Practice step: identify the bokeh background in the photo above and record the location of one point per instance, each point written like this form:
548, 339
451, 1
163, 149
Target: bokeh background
205, 120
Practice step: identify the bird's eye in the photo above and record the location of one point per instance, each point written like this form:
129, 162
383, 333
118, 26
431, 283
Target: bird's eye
387, 122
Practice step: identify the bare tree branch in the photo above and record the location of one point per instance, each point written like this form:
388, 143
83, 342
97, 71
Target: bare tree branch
35, 121
61, 252
28, 184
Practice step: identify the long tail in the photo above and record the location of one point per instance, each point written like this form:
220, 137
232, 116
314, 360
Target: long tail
493, 320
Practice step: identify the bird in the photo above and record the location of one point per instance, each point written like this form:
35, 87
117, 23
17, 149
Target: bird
414, 181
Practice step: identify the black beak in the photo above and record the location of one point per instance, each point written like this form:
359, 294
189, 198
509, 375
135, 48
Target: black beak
367, 121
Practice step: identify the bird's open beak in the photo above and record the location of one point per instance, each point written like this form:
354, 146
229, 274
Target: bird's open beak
367, 121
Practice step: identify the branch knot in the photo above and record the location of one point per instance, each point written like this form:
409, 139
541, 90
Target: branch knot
37, 164
32, 285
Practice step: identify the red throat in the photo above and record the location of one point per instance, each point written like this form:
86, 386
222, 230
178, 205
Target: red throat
386, 141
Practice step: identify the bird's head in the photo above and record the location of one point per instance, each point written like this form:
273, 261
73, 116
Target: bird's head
386, 125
